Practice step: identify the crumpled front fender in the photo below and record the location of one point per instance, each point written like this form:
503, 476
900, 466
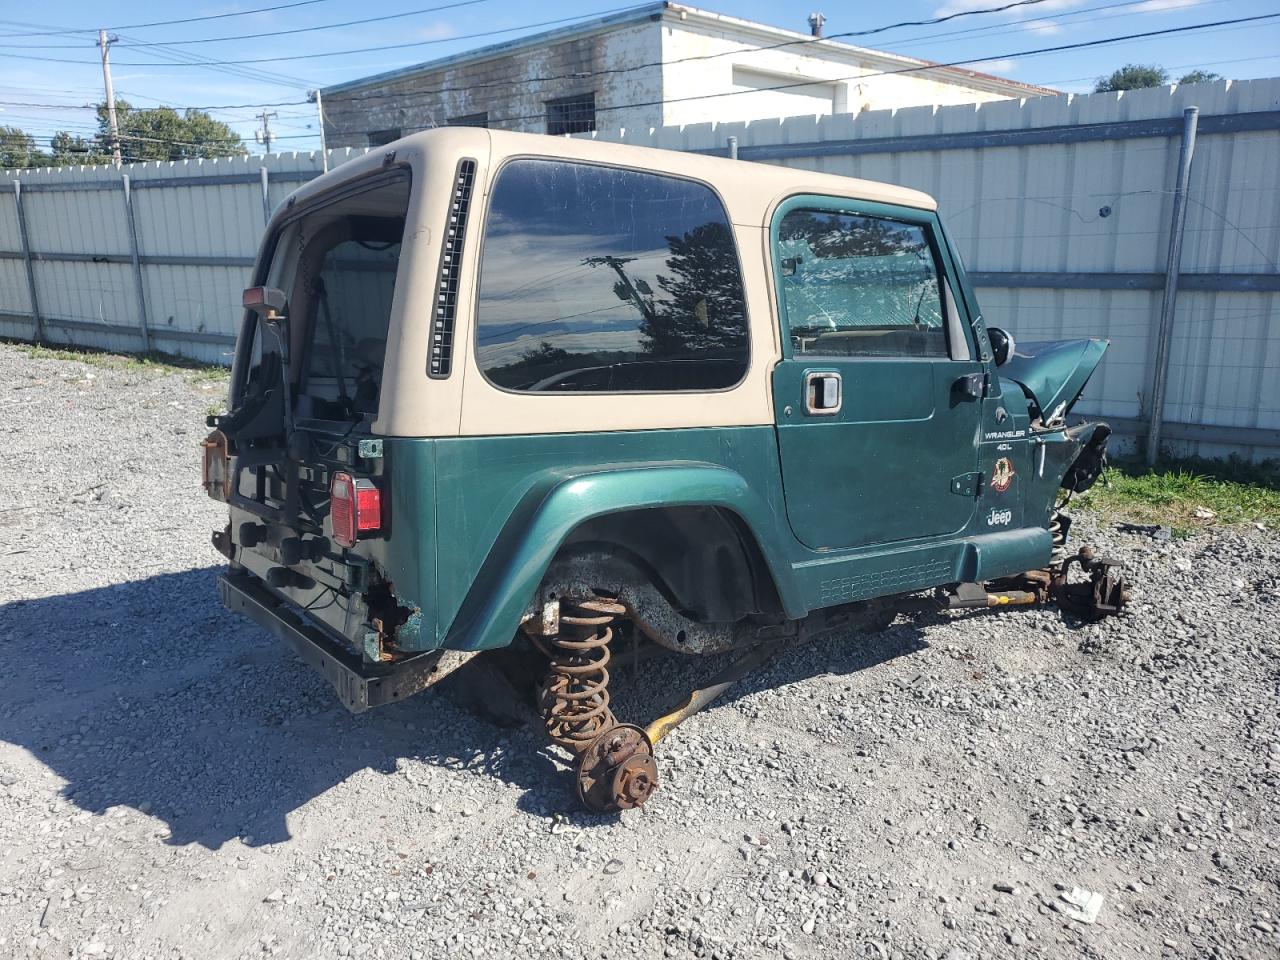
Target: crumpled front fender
1053, 373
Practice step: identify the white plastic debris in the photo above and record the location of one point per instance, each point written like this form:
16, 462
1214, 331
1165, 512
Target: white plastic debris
1081, 905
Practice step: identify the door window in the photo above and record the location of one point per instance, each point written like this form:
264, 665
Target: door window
597, 279
859, 286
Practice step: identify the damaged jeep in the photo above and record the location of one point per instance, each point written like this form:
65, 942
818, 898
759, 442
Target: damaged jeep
498, 394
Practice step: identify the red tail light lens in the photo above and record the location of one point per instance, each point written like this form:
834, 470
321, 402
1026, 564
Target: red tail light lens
355, 507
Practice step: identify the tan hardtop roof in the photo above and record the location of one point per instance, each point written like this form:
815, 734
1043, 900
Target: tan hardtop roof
747, 188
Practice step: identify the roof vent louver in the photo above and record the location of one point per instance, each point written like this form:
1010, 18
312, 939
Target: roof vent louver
440, 356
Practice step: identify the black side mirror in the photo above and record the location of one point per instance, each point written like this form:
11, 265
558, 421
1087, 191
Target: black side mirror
1002, 345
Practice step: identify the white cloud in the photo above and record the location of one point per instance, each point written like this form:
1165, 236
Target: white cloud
437, 31
1155, 6
963, 6
1043, 27
1005, 65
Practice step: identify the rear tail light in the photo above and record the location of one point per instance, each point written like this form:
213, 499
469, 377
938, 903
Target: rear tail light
216, 472
355, 507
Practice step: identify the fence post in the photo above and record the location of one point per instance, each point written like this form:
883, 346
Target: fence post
266, 196
1173, 266
26, 256
143, 326
733, 148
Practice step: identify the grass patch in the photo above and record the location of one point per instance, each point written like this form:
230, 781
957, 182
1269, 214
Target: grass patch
1182, 494
154, 363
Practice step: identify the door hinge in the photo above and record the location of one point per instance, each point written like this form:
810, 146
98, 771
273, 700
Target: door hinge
967, 484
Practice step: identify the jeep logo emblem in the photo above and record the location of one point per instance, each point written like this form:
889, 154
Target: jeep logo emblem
999, 518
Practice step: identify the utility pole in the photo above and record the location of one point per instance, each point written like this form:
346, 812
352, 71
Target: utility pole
324, 149
263, 136
105, 43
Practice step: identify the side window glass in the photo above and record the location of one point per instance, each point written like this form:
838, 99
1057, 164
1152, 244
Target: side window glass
859, 286
595, 279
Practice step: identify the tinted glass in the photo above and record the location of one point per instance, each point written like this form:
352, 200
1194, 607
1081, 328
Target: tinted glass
595, 279
859, 286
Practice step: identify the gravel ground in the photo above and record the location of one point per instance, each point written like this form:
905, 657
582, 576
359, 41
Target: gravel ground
174, 784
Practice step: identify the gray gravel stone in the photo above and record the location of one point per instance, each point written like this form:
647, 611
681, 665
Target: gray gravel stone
910, 793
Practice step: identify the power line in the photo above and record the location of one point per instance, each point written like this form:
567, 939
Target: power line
249, 73
1013, 26
614, 71
411, 97
166, 23
488, 33
1183, 66
912, 69
394, 46
924, 66
269, 33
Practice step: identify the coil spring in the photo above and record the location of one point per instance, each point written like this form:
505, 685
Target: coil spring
1058, 553
575, 693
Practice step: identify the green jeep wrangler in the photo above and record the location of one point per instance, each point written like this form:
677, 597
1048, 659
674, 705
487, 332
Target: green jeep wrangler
496, 390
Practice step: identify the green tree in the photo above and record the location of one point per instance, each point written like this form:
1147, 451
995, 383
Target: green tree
18, 150
69, 150
1199, 76
162, 133
1133, 76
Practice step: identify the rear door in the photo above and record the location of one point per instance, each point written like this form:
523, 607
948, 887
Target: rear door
336, 262
877, 418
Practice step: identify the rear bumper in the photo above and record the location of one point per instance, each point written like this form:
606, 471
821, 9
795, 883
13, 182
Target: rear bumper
359, 685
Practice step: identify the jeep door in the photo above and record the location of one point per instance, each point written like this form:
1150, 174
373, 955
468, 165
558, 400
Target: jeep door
875, 400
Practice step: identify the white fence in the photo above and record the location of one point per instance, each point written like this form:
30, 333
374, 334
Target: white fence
151, 256
1061, 207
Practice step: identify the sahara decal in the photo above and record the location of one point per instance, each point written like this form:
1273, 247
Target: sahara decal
1002, 475
999, 518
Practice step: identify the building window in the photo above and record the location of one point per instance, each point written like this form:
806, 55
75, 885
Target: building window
600, 280
378, 138
470, 120
571, 114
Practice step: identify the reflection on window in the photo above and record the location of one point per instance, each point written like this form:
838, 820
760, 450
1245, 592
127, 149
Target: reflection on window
859, 286
598, 279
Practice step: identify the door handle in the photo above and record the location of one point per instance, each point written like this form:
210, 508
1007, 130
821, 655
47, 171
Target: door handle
823, 393
971, 387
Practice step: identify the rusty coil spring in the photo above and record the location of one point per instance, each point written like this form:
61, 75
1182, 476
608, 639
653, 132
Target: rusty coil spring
1058, 552
575, 693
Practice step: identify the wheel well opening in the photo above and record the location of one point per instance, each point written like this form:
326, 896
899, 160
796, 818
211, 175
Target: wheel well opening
704, 559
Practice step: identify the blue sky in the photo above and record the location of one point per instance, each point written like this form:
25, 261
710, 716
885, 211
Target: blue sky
34, 39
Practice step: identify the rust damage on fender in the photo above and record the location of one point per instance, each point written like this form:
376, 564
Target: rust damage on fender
393, 624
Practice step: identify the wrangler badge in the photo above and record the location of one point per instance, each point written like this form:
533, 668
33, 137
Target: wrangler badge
1002, 475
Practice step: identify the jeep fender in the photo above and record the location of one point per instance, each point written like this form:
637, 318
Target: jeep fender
519, 558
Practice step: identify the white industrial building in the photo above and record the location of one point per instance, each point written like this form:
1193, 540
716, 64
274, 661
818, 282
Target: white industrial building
660, 64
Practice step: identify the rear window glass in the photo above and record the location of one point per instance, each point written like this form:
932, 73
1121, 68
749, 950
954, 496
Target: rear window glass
337, 266
859, 286
595, 279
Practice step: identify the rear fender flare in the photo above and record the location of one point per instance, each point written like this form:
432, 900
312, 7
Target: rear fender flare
519, 558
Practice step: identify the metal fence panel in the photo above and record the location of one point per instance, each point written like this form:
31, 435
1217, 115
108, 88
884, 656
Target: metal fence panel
1060, 206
